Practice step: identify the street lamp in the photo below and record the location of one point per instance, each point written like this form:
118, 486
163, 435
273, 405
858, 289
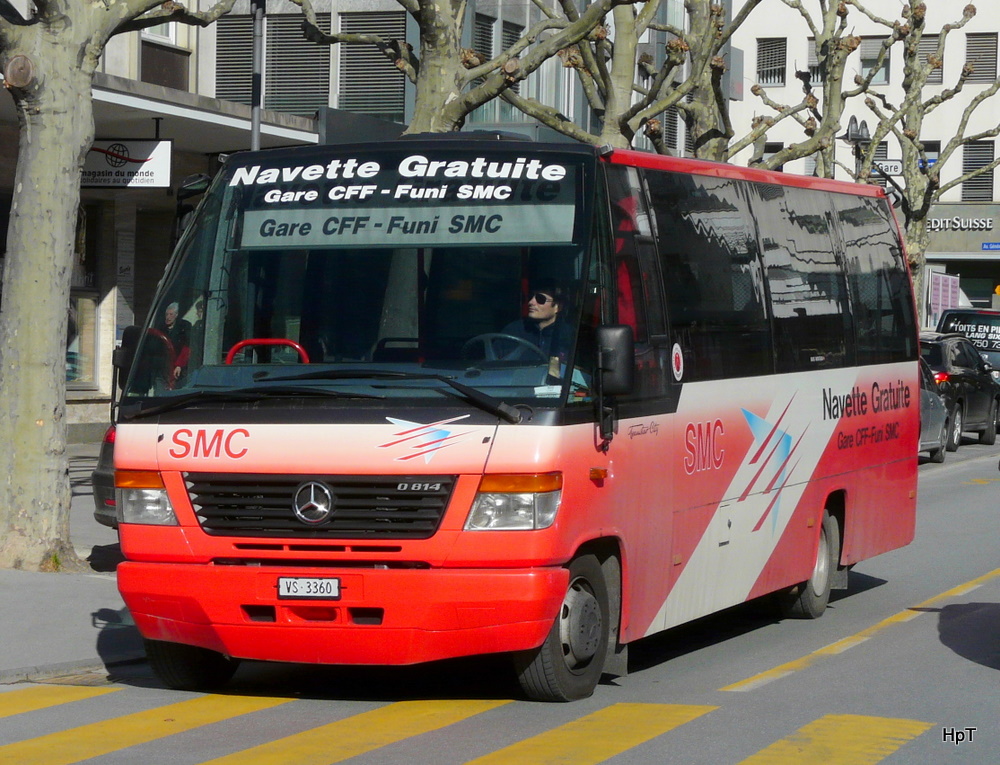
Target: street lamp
859, 138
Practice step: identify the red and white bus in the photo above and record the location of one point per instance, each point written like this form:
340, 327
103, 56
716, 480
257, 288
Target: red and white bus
455, 396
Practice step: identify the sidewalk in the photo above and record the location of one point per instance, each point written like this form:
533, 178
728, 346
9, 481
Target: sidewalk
54, 624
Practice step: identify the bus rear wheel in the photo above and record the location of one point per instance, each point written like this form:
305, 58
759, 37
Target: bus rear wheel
569, 664
808, 600
187, 667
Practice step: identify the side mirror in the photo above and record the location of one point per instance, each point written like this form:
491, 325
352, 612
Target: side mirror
616, 359
192, 186
123, 356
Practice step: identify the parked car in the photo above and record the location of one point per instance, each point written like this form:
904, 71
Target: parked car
103, 480
933, 416
980, 325
965, 380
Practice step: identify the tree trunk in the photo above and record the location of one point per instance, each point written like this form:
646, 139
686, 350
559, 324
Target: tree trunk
56, 117
439, 81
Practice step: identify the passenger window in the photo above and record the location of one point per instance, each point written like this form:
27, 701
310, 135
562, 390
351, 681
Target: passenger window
878, 281
812, 321
713, 276
637, 281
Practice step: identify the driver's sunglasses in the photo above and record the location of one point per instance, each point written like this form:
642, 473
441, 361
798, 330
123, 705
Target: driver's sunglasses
540, 297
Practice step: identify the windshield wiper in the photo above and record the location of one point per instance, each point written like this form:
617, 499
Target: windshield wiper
484, 401
238, 395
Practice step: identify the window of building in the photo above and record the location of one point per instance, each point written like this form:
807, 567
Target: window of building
881, 153
296, 71
770, 149
166, 32
369, 82
932, 150
771, 57
981, 54
928, 47
871, 48
161, 62
482, 35
974, 156
510, 34
815, 75
81, 328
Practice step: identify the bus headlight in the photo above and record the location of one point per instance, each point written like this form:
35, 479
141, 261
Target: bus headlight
141, 498
515, 502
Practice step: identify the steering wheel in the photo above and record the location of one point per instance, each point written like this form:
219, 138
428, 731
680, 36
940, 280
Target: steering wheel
489, 341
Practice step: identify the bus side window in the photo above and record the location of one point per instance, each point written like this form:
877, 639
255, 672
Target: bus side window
713, 277
636, 278
810, 309
877, 281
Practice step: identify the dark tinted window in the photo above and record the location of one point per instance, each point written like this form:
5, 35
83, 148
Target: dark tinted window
637, 280
878, 281
812, 322
712, 274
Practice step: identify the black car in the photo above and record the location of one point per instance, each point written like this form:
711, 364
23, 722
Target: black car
933, 416
980, 325
965, 380
103, 480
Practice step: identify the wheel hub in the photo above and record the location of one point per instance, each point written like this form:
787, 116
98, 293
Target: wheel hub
580, 626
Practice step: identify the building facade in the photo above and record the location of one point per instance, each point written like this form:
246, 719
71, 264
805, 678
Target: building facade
965, 230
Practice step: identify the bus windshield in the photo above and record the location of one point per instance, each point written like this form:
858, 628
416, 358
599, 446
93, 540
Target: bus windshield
381, 274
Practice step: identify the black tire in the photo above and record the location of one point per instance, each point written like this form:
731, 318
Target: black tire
955, 425
937, 455
808, 600
187, 667
989, 433
569, 664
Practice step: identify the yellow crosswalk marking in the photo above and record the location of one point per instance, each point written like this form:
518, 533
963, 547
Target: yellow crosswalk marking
598, 736
359, 734
101, 738
42, 696
841, 740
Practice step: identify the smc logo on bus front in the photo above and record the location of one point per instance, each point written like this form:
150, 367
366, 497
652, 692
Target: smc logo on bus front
703, 446
201, 443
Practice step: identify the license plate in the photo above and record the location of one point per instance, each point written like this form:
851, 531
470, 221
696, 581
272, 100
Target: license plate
318, 587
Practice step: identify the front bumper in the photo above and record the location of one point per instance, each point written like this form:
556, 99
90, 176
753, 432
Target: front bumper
384, 616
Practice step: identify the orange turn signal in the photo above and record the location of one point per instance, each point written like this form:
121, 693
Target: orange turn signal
138, 479
521, 483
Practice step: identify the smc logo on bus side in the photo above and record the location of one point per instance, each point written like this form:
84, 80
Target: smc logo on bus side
703, 445
204, 443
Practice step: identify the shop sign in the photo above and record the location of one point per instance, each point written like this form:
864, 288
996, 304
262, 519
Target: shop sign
958, 223
127, 164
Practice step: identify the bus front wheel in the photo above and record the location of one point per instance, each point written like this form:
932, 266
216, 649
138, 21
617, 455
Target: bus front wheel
568, 665
808, 600
187, 667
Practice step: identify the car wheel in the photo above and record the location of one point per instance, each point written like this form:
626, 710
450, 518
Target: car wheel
989, 434
808, 600
955, 426
937, 455
187, 667
568, 665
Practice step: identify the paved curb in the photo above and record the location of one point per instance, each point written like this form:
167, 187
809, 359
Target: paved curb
49, 671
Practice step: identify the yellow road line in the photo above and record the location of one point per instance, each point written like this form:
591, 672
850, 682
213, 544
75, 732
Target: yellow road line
42, 696
840, 646
598, 736
101, 738
360, 734
841, 740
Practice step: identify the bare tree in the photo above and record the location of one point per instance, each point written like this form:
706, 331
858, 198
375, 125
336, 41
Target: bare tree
628, 90
824, 100
48, 61
922, 184
451, 80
